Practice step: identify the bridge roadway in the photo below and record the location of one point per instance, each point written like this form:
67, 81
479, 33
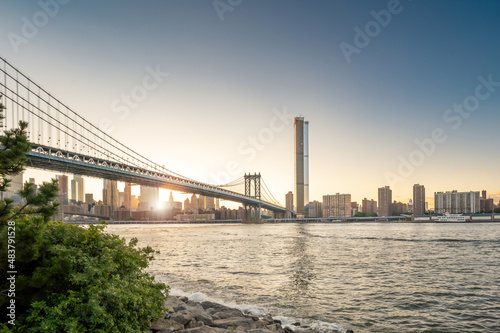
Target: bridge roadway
55, 159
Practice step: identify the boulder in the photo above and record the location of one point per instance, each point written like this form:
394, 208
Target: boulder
161, 323
194, 323
226, 313
182, 317
173, 303
204, 329
233, 322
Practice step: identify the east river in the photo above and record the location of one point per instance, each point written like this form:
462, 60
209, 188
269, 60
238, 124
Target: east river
368, 277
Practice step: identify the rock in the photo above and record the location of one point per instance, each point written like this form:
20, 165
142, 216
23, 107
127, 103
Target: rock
173, 303
259, 330
182, 317
194, 323
303, 330
288, 330
245, 322
204, 329
276, 328
349, 331
165, 330
296, 324
166, 324
227, 313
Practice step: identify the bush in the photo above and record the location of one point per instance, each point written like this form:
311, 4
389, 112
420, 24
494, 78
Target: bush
76, 279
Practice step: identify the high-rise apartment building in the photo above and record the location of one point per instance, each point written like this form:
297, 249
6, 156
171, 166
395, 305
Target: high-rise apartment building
418, 199
315, 209
337, 205
454, 202
384, 201
369, 206
289, 201
301, 164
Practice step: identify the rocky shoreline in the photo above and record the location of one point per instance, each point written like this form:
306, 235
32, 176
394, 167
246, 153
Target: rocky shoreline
187, 316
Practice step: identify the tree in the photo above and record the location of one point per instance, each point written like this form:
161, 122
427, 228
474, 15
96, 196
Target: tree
68, 278
14, 146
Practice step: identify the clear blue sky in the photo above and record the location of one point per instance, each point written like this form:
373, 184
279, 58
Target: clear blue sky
230, 67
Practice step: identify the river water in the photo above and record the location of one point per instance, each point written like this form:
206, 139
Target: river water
368, 277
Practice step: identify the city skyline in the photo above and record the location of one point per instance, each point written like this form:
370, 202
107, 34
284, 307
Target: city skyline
412, 105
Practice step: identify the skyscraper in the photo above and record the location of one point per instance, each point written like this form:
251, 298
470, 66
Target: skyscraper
110, 195
301, 165
78, 188
289, 204
384, 201
149, 198
418, 199
63, 188
127, 197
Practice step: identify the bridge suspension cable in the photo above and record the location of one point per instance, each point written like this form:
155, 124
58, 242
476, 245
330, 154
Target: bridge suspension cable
76, 130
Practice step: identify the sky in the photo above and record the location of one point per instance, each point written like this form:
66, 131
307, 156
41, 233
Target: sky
395, 92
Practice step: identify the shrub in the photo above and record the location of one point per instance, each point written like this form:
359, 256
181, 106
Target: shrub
76, 279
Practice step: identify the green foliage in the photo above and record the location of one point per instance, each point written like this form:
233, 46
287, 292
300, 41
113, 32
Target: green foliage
69, 278
75, 279
14, 145
361, 214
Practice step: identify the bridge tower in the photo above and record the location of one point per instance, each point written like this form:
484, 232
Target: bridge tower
255, 179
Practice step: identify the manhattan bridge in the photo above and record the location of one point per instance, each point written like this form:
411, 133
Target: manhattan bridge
64, 141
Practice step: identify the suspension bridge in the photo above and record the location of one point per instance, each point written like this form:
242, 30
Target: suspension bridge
64, 141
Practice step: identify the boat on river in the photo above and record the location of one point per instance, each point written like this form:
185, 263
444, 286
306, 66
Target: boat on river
447, 217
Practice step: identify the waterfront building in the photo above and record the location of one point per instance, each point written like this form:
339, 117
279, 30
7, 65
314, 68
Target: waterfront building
301, 164
315, 209
419, 199
454, 202
399, 208
354, 208
289, 204
384, 201
369, 206
337, 205
486, 205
